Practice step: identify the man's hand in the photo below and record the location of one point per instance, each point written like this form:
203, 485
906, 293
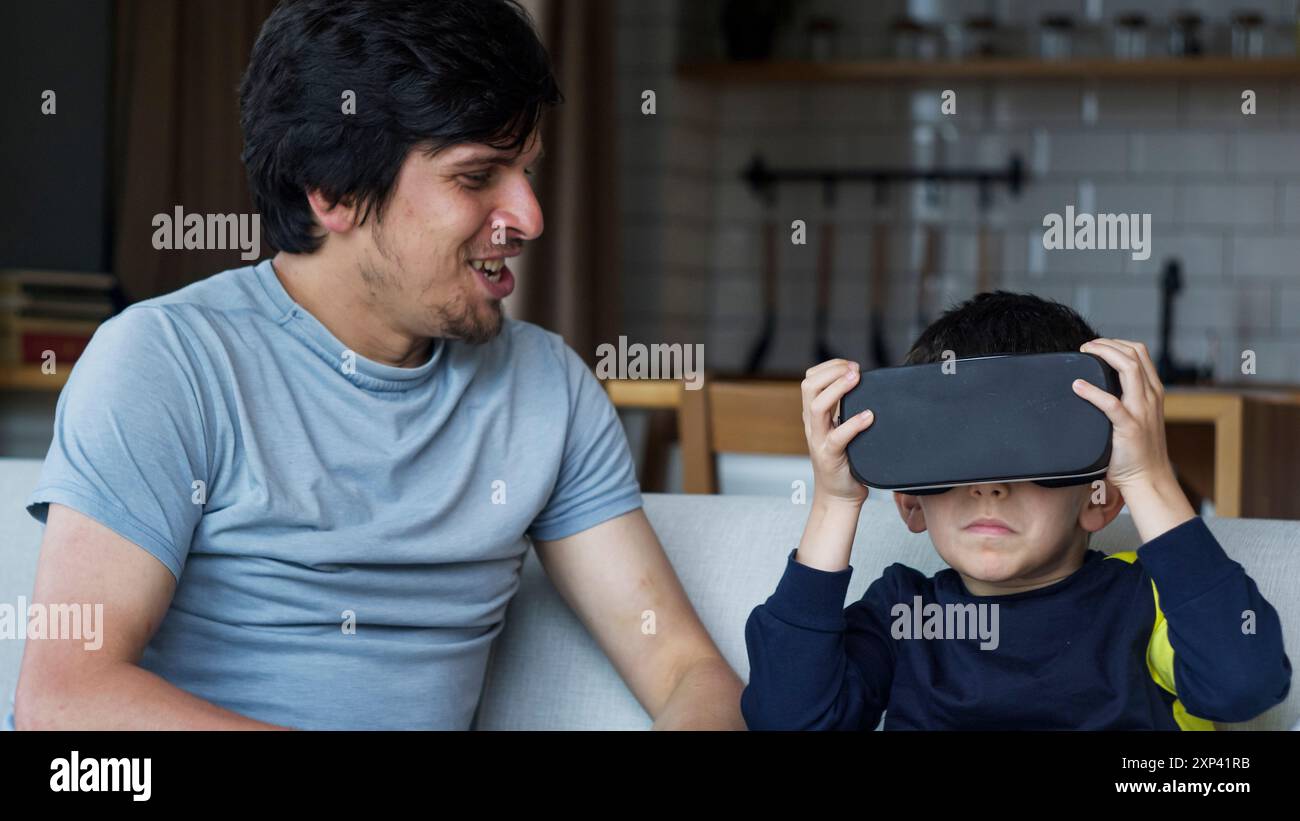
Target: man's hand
612, 575
1139, 461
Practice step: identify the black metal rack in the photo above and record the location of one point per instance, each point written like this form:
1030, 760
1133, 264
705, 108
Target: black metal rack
762, 179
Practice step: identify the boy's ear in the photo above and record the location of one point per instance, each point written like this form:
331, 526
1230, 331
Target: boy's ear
1101, 506
909, 507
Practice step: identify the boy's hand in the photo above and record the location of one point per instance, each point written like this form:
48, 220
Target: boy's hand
1139, 462
823, 387
1138, 443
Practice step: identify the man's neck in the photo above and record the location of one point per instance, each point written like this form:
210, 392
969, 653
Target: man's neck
338, 298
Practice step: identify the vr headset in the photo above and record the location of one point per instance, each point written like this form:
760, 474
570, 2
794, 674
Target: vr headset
1006, 418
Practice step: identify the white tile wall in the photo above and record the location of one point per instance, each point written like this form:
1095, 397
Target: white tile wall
1223, 189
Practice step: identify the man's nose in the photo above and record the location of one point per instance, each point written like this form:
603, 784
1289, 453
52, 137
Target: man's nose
519, 211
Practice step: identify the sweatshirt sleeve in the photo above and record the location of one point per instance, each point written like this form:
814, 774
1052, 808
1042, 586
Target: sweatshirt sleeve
1229, 661
814, 664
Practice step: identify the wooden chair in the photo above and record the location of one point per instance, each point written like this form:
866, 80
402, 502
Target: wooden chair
1241, 449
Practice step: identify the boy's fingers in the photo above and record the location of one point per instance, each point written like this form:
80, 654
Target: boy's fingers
821, 376
1105, 401
1125, 361
831, 364
838, 439
822, 407
1148, 366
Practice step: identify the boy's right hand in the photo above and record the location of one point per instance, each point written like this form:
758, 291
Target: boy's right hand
823, 387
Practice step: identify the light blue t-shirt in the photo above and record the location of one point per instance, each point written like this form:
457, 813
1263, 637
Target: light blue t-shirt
397, 498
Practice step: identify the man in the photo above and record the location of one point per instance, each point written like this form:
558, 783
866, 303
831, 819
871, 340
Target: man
333, 459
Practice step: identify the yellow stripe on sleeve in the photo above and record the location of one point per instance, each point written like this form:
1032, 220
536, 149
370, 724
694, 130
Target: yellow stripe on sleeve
1160, 657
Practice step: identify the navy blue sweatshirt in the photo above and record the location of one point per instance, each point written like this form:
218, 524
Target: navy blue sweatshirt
1104, 648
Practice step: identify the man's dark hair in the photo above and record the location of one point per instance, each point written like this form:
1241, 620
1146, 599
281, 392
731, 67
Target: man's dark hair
427, 74
1000, 322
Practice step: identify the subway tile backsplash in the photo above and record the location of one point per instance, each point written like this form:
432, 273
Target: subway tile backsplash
1223, 190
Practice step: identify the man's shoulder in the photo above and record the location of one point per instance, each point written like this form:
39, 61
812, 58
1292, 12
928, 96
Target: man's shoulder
525, 342
165, 332
235, 289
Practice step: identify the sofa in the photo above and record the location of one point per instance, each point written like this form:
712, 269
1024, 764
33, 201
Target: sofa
547, 673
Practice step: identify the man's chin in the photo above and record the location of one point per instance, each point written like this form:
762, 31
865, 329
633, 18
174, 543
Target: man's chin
483, 327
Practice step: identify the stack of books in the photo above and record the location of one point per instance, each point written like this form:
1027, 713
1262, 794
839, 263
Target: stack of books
50, 311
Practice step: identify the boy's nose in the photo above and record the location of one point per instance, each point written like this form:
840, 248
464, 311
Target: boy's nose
996, 490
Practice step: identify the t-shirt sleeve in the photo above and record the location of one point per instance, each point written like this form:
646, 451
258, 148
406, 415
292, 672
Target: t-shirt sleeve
129, 440
597, 477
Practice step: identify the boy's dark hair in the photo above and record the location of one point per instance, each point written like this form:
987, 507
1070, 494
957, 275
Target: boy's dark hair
425, 74
1000, 322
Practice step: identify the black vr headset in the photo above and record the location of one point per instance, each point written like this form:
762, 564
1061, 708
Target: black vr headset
1006, 418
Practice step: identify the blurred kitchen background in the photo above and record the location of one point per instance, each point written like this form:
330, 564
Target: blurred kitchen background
673, 226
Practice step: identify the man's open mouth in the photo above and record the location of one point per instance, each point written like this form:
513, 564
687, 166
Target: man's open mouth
495, 275
491, 268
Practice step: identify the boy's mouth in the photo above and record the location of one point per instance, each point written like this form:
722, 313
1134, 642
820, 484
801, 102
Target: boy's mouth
989, 526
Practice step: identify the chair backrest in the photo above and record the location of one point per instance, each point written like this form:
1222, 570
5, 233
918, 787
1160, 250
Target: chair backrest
750, 416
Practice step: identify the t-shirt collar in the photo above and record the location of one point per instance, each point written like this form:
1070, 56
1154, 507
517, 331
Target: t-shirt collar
365, 373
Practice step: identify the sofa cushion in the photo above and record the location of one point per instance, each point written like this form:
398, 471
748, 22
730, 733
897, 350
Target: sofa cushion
546, 672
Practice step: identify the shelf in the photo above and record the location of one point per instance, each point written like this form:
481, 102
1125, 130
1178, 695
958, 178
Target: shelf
796, 71
30, 378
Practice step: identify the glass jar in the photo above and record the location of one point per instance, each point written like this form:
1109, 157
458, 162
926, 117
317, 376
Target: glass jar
914, 40
822, 34
1247, 35
979, 38
1185, 35
1055, 37
1130, 37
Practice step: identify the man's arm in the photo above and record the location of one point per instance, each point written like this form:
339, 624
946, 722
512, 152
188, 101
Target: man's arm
610, 575
63, 685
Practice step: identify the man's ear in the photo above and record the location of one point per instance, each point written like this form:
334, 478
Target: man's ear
337, 218
1102, 504
909, 507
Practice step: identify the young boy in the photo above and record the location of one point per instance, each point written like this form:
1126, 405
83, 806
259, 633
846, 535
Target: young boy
1174, 636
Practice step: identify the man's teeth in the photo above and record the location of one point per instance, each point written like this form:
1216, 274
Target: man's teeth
490, 267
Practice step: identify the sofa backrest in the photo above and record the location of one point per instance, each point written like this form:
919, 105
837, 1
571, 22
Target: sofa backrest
20, 542
546, 672
729, 551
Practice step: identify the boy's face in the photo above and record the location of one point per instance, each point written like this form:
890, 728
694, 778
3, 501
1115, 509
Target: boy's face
1008, 537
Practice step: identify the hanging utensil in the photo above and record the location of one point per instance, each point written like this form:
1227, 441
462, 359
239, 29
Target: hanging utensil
926, 282
764, 342
825, 269
879, 290
986, 244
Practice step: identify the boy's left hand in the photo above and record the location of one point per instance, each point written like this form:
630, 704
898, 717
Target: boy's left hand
1138, 453
1139, 462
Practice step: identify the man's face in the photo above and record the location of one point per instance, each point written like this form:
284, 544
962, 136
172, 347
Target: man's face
1005, 536
470, 202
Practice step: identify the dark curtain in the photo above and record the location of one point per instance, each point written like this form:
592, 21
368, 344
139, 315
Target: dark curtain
570, 280
176, 138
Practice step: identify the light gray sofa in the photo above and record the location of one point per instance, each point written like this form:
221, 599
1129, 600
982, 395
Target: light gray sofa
547, 673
